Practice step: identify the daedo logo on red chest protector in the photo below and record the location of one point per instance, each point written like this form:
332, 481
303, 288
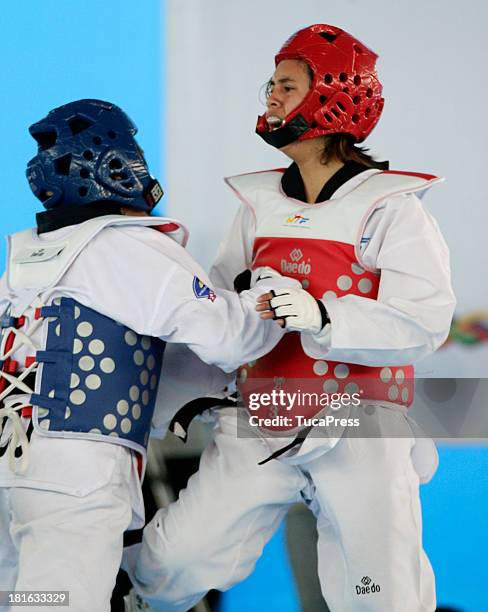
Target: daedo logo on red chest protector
297, 265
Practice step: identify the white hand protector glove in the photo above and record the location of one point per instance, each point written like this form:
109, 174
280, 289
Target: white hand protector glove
300, 310
263, 273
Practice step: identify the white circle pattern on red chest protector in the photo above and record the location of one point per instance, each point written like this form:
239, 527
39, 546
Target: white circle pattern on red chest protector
320, 368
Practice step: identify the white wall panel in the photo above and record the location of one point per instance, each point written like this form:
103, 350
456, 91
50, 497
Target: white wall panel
432, 55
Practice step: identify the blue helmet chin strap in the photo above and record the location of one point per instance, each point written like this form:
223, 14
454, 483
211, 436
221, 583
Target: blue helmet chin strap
87, 154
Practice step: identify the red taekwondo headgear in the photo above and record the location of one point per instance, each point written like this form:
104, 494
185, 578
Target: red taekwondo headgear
345, 93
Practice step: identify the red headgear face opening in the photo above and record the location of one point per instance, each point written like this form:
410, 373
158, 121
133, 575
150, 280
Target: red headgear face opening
345, 93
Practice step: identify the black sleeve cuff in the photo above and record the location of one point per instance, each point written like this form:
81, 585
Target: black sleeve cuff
324, 314
242, 281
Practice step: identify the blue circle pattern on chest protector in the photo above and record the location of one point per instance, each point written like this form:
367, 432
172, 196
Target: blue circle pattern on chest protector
99, 378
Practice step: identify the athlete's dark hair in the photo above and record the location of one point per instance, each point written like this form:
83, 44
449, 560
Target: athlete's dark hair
343, 148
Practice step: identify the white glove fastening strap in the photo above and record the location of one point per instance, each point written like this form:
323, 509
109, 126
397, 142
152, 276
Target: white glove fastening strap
299, 310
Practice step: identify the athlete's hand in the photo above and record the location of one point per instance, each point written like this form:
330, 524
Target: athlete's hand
294, 309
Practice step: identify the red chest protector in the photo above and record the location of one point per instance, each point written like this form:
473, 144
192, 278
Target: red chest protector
319, 245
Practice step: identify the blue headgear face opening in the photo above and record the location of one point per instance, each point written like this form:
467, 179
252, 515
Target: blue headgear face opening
87, 153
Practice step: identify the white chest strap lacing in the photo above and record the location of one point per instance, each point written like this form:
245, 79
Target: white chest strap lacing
11, 400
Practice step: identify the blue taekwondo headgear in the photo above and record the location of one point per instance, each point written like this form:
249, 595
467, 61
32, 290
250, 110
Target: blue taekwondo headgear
87, 154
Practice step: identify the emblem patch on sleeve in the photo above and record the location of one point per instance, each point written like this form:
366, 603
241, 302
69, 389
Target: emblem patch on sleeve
202, 291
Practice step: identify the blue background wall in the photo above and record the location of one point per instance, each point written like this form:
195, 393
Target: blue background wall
53, 52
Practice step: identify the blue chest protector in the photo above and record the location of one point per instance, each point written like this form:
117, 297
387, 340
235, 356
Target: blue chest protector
98, 378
